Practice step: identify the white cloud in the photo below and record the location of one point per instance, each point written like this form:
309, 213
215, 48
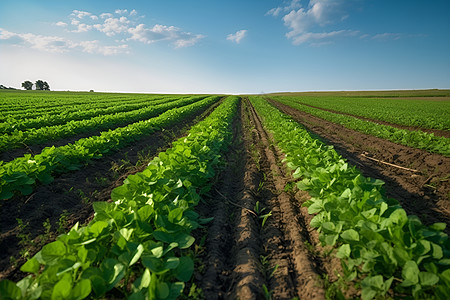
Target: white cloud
317, 39
295, 4
113, 26
386, 36
106, 15
61, 24
161, 32
56, 44
121, 11
238, 36
123, 26
80, 14
302, 21
82, 28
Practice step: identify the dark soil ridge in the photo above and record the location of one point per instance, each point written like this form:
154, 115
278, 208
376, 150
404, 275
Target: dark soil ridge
425, 193
94, 182
232, 269
437, 132
307, 268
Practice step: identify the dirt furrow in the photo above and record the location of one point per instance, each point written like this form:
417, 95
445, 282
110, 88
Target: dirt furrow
232, 266
424, 193
308, 282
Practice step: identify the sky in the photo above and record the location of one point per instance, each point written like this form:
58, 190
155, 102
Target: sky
228, 46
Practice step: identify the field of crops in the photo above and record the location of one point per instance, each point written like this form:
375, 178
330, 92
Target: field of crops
276, 196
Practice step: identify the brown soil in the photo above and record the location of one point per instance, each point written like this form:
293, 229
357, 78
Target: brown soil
241, 256
72, 194
444, 133
424, 193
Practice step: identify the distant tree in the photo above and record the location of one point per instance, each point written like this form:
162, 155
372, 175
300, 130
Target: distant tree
46, 86
91, 91
28, 85
4, 87
39, 85
42, 85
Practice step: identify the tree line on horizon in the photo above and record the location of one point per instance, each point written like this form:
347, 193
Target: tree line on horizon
40, 85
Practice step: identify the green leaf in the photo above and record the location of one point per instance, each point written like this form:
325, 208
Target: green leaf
162, 290
315, 207
437, 251
31, 266
137, 254
343, 251
63, 288
30, 288
176, 289
9, 290
143, 281
175, 215
371, 286
172, 263
330, 239
438, 226
428, 279
182, 239
50, 253
350, 235
410, 273
399, 217
185, 269
113, 271
98, 285
97, 227
329, 227
158, 251
82, 289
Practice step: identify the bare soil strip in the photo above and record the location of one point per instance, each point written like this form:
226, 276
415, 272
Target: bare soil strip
233, 245
437, 132
242, 256
72, 194
308, 283
425, 194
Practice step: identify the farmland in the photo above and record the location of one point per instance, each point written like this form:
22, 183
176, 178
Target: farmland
308, 195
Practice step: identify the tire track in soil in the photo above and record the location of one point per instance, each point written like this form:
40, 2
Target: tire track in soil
425, 194
236, 243
67, 191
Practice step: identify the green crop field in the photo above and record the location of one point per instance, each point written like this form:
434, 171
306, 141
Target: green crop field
149, 196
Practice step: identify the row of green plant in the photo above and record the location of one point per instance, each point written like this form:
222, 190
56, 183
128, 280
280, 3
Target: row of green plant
81, 112
25, 100
18, 138
138, 245
415, 139
22, 174
383, 250
412, 112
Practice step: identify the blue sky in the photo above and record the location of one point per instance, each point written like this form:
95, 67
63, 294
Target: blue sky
210, 46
